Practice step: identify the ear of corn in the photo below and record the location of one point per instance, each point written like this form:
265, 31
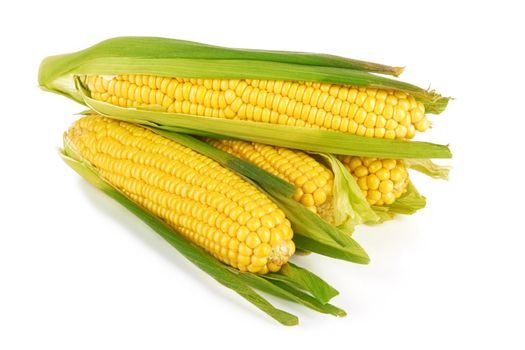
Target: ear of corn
304, 222
296, 278
208, 204
360, 111
227, 96
174, 58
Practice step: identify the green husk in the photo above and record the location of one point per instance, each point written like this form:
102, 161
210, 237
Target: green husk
170, 57
296, 277
305, 280
350, 205
304, 138
429, 168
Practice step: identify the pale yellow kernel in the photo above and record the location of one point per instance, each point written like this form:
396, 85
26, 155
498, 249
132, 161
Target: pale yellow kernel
345, 107
389, 163
370, 120
401, 131
369, 104
392, 100
396, 174
343, 93
242, 233
361, 130
276, 236
388, 198
400, 94
319, 196
373, 195
411, 131
352, 126
422, 125
386, 186
352, 94
373, 182
388, 111
308, 200
379, 132
383, 174
381, 95
399, 113
391, 124
362, 183
390, 134
361, 171
360, 116
355, 162
252, 241
370, 132
375, 166
344, 125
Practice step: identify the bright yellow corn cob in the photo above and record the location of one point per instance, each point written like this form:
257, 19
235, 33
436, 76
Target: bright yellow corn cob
361, 111
381, 180
313, 180
207, 203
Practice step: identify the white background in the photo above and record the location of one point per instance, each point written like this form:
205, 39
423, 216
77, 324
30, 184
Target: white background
79, 272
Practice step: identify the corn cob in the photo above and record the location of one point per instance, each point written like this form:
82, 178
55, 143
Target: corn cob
210, 205
379, 113
382, 181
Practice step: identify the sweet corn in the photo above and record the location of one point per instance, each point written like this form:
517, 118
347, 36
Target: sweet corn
205, 202
380, 113
313, 180
382, 181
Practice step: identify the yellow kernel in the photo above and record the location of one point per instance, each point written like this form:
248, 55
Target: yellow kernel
401, 131
309, 187
308, 200
386, 186
391, 124
361, 130
399, 113
383, 174
389, 164
374, 195
388, 198
354, 163
369, 104
396, 175
416, 115
375, 166
390, 134
388, 111
243, 260
362, 183
242, 233
370, 120
252, 240
276, 237
244, 249
352, 94
360, 116
319, 196
373, 182
361, 171
379, 132
422, 125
